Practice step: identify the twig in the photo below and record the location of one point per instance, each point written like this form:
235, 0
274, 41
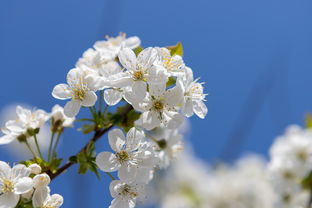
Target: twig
97, 135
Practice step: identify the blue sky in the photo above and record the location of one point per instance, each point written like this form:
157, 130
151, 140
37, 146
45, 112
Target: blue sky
255, 57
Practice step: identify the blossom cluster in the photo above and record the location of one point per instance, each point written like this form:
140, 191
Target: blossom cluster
27, 184
161, 92
251, 182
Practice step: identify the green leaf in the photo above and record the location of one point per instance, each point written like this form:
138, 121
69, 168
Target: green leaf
176, 50
137, 50
171, 81
307, 182
308, 121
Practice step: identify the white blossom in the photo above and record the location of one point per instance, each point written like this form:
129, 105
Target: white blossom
126, 194
160, 106
139, 71
58, 115
193, 95
173, 64
13, 183
41, 180
35, 168
43, 199
133, 158
26, 120
81, 88
113, 45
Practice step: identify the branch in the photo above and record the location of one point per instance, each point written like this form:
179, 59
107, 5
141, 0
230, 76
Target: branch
97, 135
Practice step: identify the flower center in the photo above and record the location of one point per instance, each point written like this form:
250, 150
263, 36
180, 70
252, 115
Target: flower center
126, 191
7, 186
302, 155
138, 75
79, 94
123, 156
158, 105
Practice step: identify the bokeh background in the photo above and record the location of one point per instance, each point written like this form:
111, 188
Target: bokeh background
255, 57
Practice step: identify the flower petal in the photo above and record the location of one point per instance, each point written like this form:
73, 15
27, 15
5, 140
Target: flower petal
132, 42
113, 188
23, 185
139, 89
61, 91
6, 139
71, 109
127, 58
122, 203
5, 169
187, 108
8, 200
173, 96
134, 139
127, 173
107, 162
89, 99
19, 171
200, 109
55, 200
147, 57
40, 196
116, 139
112, 96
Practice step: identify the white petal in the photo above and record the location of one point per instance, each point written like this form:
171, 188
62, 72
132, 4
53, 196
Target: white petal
5, 139
122, 203
40, 196
55, 200
23, 185
200, 109
112, 96
157, 90
61, 91
147, 57
148, 120
176, 121
139, 89
134, 139
89, 99
8, 200
132, 42
19, 171
173, 96
5, 169
127, 173
187, 108
143, 175
127, 58
116, 139
71, 109
107, 162
112, 188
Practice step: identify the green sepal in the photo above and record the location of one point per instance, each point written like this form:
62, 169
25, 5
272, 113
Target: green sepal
137, 50
176, 50
306, 183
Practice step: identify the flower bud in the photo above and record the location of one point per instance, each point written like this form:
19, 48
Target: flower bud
41, 180
35, 168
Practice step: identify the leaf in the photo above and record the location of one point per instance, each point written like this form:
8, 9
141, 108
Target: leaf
87, 128
137, 50
171, 81
308, 121
176, 50
306, 183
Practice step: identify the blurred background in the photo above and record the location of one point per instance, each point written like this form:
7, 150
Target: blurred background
254, 56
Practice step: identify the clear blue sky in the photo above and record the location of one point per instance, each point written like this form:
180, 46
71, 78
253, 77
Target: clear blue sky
255, 57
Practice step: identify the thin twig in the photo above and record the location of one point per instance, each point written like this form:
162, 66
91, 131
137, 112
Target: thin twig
97, 135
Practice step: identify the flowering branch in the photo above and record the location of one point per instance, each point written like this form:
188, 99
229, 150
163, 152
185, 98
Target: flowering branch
97, 135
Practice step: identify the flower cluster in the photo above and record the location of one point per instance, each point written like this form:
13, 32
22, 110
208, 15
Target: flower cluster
159, 92
21, 184
291, 162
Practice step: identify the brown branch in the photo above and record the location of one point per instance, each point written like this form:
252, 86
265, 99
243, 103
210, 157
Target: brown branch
97, 135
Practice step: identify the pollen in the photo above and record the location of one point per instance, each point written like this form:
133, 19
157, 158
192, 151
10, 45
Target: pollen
158, 105
123, 156
79, 94
7, 186
138, 75
126, 191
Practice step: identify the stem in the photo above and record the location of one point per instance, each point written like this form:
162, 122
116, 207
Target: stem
30, 149
56, 143
101, 100
110, 175
50, 146
38, 148
97, 135
92, 112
